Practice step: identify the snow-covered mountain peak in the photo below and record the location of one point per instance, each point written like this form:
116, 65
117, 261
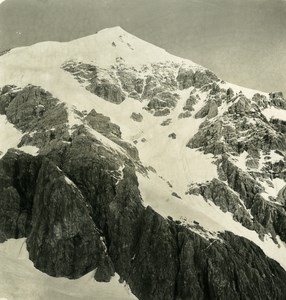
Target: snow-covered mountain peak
111, 43
113, 110
105, 48
115, 29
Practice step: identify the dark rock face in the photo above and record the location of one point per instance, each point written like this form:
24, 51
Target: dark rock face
229, 93
31, 108
130, 83
43, 138
228, 200
6, 95
191, 101
241, 107
279, 125
278, 100
136, 117
210, 110
282, 196
18, 174
158, 103
218, 279
213, 110
162, 103
241, 182
36, 113
166, 122
106, 90
162, 112
64, 242
208, 138
189, 106
188, 78
157, 247
261, 100
185, 114
102, 124
172, 135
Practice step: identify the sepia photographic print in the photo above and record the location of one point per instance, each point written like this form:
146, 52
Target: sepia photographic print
142, 149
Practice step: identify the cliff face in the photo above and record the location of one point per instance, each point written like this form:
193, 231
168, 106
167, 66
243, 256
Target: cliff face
159, 172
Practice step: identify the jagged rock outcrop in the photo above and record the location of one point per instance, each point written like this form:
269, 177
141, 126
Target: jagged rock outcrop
162, 112
233, 132
187, 78
162, 103
240, 181
130, 83
191, 101
137, 117
108, 89
116, 84
185, 114
189, 105
172, 135
31, 108
18, 174
102, 124
282, 196
260, 100
221, 195
229, 94
268, 214
242, 106
277, 99
210, 110
166, 122
34, 111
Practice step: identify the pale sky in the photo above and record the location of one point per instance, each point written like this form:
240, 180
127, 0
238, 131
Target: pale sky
242, 41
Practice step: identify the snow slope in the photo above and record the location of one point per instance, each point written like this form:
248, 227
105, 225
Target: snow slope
9, 135
274, 112
19, 279
10, 138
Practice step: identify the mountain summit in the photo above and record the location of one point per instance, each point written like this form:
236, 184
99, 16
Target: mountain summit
119, 159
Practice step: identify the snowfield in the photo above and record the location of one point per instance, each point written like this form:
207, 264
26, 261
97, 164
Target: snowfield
9, 135
275, 113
